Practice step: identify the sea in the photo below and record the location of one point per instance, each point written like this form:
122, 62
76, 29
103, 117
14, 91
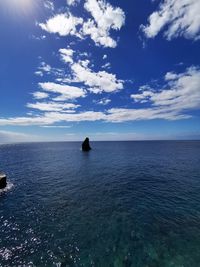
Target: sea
123, 204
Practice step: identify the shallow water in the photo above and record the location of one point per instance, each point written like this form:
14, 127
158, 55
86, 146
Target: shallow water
130, 204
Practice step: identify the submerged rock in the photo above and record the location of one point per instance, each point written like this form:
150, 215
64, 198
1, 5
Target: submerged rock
86, 145
3, 181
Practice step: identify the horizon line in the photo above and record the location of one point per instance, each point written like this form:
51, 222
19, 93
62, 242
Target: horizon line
79, 141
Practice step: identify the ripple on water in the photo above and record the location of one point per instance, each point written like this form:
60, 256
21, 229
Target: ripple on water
129, 204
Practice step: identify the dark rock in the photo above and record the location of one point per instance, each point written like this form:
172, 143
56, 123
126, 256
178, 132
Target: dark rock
3, 181
86, 145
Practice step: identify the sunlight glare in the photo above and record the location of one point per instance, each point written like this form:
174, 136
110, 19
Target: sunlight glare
19, 6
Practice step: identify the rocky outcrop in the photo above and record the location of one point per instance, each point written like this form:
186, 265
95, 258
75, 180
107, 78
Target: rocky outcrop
86, 145
3, 181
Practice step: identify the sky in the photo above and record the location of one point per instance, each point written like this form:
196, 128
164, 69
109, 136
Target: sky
107, 69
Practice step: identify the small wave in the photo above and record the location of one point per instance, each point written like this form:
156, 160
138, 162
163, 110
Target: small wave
5, 254
8, 187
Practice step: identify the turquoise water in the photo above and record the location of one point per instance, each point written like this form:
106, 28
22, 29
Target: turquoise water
130, 204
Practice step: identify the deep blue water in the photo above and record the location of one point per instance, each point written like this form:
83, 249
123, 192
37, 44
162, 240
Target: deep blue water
130, 204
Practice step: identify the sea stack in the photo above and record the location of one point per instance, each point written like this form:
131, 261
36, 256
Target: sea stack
86, 145
3, 181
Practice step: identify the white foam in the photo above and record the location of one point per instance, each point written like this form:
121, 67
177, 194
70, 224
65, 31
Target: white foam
8, 187
5, 253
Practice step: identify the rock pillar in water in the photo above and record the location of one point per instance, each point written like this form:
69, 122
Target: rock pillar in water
86, 145
3, 181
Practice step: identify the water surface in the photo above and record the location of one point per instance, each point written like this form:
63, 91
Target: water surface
124, 204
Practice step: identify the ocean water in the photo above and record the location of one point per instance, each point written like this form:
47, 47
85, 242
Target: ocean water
130, 204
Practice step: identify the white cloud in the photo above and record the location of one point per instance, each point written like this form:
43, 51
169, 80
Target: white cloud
49, 118
44, 67
38, 38
63, 24
175, 18
142, 98
77, 117
39, 73
115, 115
145, 87
106, 66
52, 106
98, 82
27, 121
170, 76
181, 93
173, 101
49, 5
104, 101
122, 114
72, 2
57, 126
105, 56
66, 55
100, 37
106, 18
40, 95
65, 92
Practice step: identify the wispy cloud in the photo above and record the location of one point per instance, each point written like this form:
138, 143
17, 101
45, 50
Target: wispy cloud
114, 115
45, 68
173, 101
103, 101
180, 93
40, 95
57, 126
65, 92
72, 2
49, 5
39, 73
175, 18
117, 115
106, 66
52, 106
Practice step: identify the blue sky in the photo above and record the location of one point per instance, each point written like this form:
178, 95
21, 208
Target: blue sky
111, 70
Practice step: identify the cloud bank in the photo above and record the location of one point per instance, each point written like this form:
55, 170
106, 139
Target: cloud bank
179, 95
